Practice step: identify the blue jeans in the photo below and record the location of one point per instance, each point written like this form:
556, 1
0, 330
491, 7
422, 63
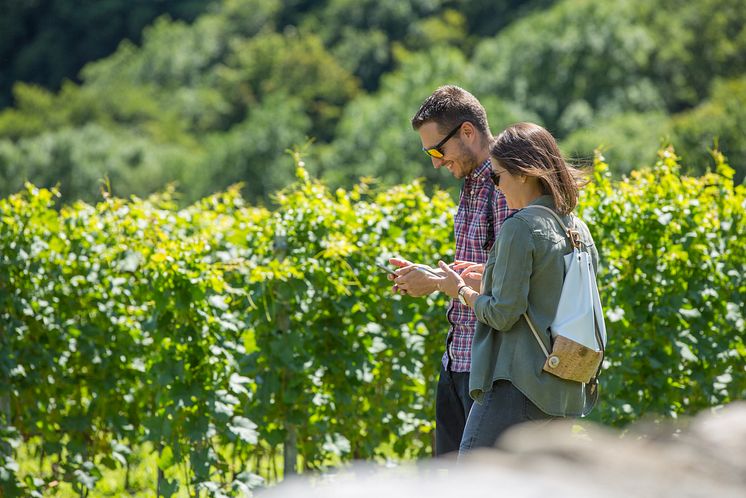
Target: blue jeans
503, 407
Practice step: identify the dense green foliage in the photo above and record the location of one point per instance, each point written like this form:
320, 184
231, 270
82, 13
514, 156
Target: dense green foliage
46, 41
220, 99
674, 259
220, 332
130, 322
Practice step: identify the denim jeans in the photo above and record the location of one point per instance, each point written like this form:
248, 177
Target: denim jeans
503, 407
452, 405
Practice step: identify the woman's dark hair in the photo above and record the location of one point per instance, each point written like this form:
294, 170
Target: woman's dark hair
527, 149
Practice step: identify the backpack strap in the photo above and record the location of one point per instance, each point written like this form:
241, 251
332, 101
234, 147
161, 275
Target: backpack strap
536, 335
489, 240
571, 233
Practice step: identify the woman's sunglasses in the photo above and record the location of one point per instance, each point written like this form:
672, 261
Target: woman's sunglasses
495, 176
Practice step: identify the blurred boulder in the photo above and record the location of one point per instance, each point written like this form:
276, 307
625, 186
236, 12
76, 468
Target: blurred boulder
703, 457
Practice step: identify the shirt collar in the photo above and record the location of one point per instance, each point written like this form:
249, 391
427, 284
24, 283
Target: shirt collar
543, 200
480, 173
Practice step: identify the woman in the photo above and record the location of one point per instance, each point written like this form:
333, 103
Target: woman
523, 274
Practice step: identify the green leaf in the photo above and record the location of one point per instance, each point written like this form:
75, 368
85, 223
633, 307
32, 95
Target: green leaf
166, 458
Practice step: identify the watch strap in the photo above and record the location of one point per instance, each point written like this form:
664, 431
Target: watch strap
460, 291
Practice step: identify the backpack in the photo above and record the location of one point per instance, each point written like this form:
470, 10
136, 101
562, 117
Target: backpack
578, 329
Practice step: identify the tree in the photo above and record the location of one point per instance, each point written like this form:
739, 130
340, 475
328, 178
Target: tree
375, 137
580, 60
718, 122
627, 140
86, 160
47, 41
584, 60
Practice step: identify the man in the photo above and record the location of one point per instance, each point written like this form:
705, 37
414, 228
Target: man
453, 128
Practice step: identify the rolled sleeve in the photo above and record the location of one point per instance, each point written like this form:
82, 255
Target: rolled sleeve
510, 277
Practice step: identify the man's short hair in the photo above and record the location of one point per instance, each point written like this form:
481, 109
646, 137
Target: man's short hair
450, 105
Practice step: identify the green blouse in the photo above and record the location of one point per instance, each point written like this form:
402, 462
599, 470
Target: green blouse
525, 271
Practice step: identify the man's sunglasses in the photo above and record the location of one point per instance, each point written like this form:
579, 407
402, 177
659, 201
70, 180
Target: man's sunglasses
435, 151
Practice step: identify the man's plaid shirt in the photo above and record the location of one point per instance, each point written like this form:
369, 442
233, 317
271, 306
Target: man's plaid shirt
481, 211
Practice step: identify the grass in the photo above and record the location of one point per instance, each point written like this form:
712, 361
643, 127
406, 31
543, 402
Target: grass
140, 478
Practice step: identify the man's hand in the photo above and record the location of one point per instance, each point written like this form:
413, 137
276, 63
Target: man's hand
412, 279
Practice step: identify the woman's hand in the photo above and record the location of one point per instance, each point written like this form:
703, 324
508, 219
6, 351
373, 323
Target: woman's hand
470, 272
451, 280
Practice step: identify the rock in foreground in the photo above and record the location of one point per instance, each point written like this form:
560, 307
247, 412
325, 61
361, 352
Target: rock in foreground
705, 459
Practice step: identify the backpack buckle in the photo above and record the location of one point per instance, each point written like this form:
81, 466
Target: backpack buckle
574, 236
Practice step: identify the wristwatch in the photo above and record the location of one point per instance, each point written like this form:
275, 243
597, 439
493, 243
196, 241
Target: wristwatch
461, 290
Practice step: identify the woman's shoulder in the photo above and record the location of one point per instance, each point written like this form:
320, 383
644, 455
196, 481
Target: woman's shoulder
543, 223
515, 230
540, 220
516, 222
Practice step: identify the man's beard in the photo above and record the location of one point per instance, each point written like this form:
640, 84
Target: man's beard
468, 159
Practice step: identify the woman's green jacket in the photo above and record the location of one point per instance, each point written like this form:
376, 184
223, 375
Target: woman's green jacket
524, 273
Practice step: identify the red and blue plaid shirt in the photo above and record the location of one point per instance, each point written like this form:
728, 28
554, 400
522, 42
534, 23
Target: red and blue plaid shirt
481, 211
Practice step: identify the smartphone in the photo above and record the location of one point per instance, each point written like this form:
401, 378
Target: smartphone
386, 269
421, 268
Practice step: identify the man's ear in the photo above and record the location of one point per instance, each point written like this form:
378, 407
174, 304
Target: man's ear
468, 130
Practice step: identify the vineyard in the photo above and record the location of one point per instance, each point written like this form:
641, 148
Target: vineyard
237, 343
